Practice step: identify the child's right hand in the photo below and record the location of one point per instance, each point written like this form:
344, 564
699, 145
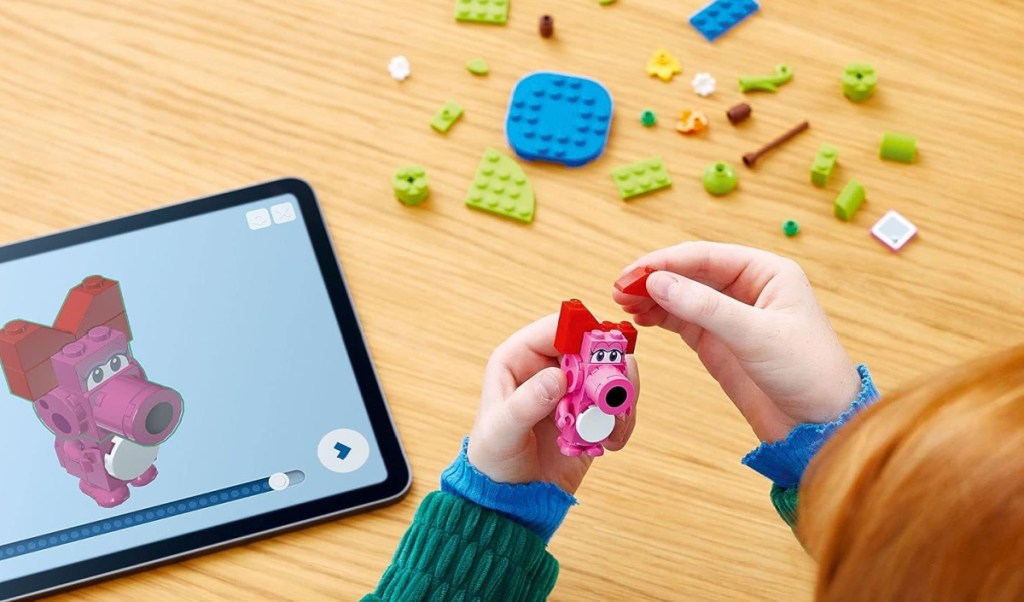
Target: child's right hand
755, 324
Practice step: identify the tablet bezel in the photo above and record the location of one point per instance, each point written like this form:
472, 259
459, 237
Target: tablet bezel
392, 489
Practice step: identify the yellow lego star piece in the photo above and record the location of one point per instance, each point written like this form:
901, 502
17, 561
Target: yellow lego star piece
663, 65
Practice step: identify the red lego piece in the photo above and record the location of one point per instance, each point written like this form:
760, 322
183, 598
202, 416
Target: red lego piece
120, 323
25, 345
629, 331
33, 384
573, 320
94, 302
635, 282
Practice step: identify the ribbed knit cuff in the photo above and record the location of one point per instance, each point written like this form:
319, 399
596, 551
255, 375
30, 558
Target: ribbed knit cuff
541, 507
457, 550
784, 461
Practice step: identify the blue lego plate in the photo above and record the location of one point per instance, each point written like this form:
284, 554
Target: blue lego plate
719, 16
559, 118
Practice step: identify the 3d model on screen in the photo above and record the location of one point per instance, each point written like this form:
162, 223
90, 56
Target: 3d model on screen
594, 363
89, 390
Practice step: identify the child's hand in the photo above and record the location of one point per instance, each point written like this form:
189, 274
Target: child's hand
755, 324
514, 439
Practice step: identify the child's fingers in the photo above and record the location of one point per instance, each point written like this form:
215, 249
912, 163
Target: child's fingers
691, 302
531, 402
526, 352
714, 264
624, 428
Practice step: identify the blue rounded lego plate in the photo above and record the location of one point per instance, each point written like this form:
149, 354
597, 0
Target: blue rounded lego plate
559, 118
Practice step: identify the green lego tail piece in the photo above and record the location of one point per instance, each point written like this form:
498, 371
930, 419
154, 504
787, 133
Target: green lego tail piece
767, 83
411, 185
859, 80
849, 200
500, 187
494, 12
446, 117
824, 162
641, 177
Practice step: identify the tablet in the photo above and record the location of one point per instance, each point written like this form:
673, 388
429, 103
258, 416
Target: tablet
179, 380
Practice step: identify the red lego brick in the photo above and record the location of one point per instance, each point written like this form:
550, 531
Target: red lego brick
25, 345
635, 282
120, 323
573, 321
94, 302
629, 331
33, 384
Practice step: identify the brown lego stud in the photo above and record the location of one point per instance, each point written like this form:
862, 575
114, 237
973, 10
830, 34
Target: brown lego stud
547, 26
739, 113
750, 159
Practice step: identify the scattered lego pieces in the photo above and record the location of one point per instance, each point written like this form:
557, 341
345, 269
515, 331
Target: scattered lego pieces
500, 187
398, 67
634, 282
546, 26
767, 83
894, 231
411, 185
739, 113
494, 12
824, 162
478, 67
559, 118
663, 65
691, 122
790, 228
849, 200
446, 117
703, 84
641, 177
719, 178
719, 16
750, 159
648, 118
898, 147
859, 80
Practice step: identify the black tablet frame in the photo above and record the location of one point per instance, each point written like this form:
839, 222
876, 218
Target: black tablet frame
392, 489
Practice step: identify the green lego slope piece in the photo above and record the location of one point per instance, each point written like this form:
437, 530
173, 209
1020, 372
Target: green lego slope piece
824, 162
641, 177
500, 187
859, 81
849, 200
719, 178
446, 116
482, 11
898, 147
410, 184
478, 67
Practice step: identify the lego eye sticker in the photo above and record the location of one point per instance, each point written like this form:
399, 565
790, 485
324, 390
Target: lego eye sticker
607, 356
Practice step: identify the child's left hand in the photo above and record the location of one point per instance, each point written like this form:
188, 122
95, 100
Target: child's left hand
514, 437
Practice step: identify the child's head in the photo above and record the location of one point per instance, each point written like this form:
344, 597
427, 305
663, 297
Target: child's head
922, 496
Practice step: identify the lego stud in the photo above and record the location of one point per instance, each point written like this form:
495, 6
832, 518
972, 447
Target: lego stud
648, 118
98, 333
75, 349
750, 159
93, 282
410, 185
15, 327
546, 26
790, 228
738, 113
859, 80
719, 178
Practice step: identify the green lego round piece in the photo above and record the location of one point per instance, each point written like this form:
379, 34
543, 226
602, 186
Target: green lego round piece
478, 67
719, 178
898, 147
859, 80
648, 118
790, 228
410, 184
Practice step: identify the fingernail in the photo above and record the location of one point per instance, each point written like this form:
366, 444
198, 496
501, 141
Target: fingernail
549, 387
661, 285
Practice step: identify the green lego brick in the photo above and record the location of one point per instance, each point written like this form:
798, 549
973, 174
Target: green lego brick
446, 116
648, 118
859, 80
824, 162
500, 187
603, 2
719, 178
790, 228
898, 147
849, 200
410, 184
478, 67
641, 177
482, 11
767, 83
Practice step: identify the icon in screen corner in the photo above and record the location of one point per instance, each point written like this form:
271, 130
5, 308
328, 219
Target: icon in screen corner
258, 219
282, 212
343, 450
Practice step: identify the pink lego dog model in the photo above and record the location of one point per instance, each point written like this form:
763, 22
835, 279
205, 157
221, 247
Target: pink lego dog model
594, 363
89, 390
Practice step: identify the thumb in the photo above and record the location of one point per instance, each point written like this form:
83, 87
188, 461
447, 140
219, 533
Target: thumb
730, 320
532, 402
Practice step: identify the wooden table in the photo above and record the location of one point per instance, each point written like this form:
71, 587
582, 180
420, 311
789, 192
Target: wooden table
116, 107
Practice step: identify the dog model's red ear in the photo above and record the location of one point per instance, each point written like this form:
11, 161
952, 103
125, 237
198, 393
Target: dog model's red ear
629, 331
95, 302
573, 321
25, 350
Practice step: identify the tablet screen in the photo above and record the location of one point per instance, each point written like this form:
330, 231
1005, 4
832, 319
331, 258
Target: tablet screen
173, 378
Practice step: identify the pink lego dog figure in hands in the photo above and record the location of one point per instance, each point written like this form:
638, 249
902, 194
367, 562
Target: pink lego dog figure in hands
598, 391
91, 393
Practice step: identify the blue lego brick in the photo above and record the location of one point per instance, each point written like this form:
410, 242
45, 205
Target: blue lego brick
719, 16
559, 118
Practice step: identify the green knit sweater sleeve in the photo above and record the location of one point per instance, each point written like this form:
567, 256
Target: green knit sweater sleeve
457, 550
786, 501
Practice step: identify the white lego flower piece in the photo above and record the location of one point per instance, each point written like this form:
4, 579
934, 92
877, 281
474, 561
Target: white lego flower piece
399, 68
703, 84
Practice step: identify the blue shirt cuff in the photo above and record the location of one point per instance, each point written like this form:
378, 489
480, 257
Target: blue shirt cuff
540, 507
784, 462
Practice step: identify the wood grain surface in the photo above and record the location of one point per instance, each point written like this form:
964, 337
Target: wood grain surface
119, 106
